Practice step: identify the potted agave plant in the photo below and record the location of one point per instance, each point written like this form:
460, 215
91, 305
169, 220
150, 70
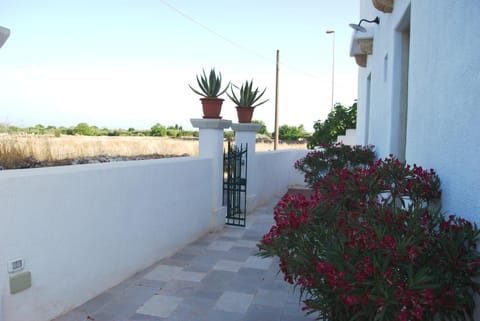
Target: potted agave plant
210, 91
246, 101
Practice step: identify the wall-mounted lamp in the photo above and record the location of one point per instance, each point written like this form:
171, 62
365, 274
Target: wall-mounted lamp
358, 27
4, 33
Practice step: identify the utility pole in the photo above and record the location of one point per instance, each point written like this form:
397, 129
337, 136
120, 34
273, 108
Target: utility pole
275, 142
333, 64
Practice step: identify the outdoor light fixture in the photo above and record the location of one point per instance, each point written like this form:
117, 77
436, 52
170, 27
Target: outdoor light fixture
4, 33
358, 27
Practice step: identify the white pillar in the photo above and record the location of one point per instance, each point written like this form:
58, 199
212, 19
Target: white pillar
246, 134
210, 145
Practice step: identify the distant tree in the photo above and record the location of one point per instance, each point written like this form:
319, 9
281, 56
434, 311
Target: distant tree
339, 120
263, 129
286, 132
158, 130
83, 129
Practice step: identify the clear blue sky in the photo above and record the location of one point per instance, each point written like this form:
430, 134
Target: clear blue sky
128, 63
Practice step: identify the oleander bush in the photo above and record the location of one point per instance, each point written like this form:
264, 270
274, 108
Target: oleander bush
373, 244
333, 156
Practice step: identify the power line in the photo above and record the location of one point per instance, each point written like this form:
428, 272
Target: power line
212, 31
231, 42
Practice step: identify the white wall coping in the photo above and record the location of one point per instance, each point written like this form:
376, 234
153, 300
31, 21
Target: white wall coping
246, 127
210, 123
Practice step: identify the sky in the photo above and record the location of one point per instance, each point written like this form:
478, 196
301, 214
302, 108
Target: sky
128, 63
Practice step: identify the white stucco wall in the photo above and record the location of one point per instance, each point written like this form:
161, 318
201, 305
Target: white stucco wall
272, 173
443, 82
83, 229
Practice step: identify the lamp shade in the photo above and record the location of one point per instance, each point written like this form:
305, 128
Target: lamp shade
4, 34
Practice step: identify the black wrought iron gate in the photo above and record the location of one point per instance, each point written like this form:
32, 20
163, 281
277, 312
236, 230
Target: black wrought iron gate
235, 184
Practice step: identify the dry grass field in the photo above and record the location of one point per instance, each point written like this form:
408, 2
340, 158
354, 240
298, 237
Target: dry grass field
18, 151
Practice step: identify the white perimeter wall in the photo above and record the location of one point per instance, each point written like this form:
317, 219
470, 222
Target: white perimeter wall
83, 229
273, 173
443, 94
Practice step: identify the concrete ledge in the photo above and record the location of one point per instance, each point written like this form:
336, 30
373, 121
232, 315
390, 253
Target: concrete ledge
246, 127
210, 123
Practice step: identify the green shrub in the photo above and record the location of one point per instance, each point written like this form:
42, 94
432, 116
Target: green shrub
372, 244
333, 156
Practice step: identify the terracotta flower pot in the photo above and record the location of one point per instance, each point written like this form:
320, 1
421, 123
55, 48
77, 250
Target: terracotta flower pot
212, 107
245, 114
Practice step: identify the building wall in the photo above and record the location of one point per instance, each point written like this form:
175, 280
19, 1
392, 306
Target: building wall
441, 117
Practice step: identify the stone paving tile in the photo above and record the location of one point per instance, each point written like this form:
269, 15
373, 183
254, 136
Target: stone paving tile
234, 302
228, 265
270, 298
163, 272
263, 313
218, 315
180, 288
220, 245
144, 317
160, 306
218, 280
74, 315
96, 303
256, 262
189, 276
234, 232
247, 243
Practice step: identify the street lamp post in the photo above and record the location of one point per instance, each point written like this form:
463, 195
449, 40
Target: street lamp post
333, 65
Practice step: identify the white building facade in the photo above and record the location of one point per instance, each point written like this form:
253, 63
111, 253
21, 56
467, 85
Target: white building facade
419, 83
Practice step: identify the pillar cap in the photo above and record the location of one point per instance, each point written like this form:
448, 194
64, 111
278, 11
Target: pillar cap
246, 127
210, 123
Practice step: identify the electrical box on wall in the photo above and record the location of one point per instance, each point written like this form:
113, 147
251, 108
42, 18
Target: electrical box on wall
16, 265
20, 282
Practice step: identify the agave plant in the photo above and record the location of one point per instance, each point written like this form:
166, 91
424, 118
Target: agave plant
247, 97
210, 86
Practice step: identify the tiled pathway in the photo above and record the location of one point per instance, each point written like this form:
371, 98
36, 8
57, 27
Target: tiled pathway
216, 278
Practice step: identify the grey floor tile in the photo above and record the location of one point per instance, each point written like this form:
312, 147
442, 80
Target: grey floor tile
218, 315
163, 272
180, 288
144, 317
237, 302
233, 232
206, 293
189, 276
247, 243
107, 316
270, 298
74, 315
219, 245
182, 257
160, 306
264, 313
96, 303
218, 280
256, 262
155, 284
228, 265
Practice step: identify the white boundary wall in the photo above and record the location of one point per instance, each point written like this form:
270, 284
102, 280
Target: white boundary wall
83, 229
273, 173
